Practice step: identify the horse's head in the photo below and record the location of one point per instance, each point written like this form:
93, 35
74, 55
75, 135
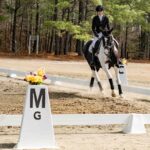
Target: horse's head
107, 33
108, 41
110, 46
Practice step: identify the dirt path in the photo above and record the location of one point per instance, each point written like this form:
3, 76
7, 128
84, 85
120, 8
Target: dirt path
73, 100
138, 74
67, 100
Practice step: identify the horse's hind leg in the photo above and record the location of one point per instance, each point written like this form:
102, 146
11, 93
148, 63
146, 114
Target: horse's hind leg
118, 81
91, 82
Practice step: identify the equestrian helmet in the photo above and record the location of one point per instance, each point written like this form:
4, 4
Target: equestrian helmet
99, 8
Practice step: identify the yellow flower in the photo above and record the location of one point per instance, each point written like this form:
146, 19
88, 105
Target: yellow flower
124, 61
28, 78
40, 79
41, 72
34, 79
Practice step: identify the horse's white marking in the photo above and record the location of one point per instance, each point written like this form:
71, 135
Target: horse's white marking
95, 75
117, 75
103, 58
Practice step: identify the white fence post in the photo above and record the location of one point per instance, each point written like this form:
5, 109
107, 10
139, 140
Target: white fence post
135, 124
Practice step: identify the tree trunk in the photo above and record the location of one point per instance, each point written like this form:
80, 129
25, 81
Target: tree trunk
36, 25
1, 1
52, 41
86, 9
17, 6
126, 41
21, 26
81, 18
66, 43
56, 35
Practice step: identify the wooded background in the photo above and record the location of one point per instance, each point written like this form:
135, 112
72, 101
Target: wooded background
64, 26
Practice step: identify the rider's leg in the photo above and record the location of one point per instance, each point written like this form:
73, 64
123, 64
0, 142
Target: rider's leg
93, 44
97, 43
95, 50
96, 47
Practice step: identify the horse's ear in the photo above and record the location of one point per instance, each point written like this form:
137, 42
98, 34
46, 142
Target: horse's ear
109, 32
111, 29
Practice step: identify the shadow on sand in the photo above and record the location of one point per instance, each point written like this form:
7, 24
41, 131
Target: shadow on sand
7, 145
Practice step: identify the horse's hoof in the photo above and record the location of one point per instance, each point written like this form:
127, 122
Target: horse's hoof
90, 89
121, 96
113, 94
102, 92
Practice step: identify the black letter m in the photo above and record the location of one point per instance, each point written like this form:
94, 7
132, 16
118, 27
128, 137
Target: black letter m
33, 97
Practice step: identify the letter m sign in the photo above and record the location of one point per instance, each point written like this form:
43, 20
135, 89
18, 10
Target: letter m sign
37, 100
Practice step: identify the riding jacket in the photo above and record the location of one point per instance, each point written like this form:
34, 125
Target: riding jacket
100, 25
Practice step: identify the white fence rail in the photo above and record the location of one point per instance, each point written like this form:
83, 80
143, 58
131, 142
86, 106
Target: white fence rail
71, 119
77, 119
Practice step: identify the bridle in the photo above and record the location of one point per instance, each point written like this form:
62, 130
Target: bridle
109, 43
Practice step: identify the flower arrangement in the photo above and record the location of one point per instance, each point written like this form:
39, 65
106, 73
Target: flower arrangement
124, 61
36, 78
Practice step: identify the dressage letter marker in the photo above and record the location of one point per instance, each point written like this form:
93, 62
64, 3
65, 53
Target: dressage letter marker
123, 74
41, 97
37, 127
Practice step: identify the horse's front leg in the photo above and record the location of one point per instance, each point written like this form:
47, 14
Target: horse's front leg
109, 76
95, 76
103, 59
118, 81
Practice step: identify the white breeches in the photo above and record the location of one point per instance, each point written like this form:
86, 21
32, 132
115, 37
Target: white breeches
94, 41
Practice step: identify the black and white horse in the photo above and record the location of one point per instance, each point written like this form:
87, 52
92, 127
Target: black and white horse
105, 58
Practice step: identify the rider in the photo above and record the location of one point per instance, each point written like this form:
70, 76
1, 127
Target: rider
100, 23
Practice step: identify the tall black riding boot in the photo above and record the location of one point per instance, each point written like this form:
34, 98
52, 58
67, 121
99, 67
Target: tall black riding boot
93, 55
94, 51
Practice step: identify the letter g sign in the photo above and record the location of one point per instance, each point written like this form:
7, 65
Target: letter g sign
37, 115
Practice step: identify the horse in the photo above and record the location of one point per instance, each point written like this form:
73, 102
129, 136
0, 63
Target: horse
105, 58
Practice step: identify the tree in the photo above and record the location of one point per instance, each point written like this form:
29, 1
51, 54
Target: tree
64, 25
16, 8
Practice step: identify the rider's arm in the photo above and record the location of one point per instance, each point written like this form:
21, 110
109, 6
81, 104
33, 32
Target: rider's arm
108, 25
94, 27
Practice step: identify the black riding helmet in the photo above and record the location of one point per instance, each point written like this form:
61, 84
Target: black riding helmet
99, 8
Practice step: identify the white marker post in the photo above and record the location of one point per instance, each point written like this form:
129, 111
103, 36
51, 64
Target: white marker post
135, 125
123, 74
37, 126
